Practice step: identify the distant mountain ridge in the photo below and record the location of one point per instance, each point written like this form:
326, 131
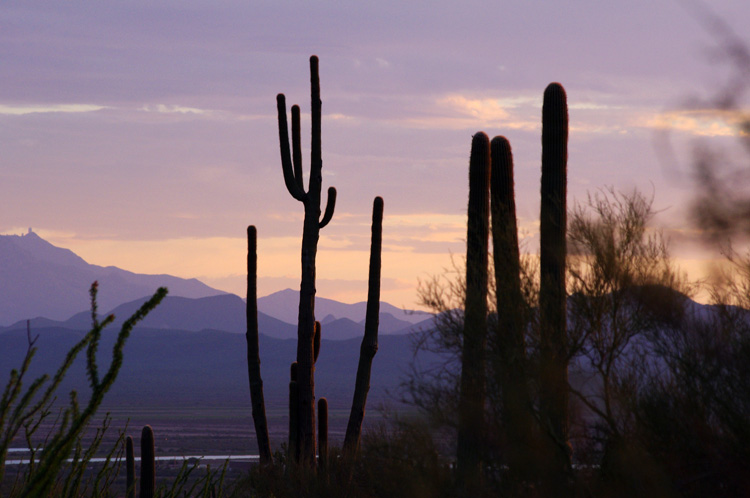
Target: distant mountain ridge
40, 279
225, 313
49, 285
277, 306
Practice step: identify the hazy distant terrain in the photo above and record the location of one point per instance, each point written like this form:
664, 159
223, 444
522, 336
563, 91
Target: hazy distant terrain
182, 368
49, 285
39, 279
191, 349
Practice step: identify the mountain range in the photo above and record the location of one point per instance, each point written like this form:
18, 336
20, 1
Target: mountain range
40, 279
49, 286
191, 349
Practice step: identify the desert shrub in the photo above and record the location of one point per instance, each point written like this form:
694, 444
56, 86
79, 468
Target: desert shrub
58, 465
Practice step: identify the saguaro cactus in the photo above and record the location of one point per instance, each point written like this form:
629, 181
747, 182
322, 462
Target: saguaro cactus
553, 382
253, 354
323, 435
129, 468
509, 360
292, 167
148, 464
472, 389
370, 340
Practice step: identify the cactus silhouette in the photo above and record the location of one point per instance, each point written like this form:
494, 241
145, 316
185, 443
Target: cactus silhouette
370, 340
471, 435
292, 168
148, 464
510, 357
323, 435
129, 467
253, 354
553, 381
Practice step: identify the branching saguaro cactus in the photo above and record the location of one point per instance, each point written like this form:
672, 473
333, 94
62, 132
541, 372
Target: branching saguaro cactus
553, 382
370, 340
510, 358
291, 163
253, 354
472, 389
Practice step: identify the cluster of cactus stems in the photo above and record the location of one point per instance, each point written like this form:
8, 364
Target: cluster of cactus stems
491, 183
302, 441
148, 465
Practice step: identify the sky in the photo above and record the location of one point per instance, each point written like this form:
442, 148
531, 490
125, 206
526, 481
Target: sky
143, 134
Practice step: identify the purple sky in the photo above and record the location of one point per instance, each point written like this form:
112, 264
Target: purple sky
143, 134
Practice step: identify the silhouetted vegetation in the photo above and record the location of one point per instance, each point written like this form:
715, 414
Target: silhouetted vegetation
302, 441
23, 411
585, 371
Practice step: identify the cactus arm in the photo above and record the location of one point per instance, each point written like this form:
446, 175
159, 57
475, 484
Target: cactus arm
297, 147
330, 206
286, 156
316, 161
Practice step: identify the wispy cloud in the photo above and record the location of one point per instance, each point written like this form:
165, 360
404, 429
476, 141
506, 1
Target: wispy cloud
20, 110
173, 109
703, 122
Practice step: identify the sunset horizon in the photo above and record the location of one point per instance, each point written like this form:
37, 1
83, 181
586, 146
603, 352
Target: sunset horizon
147, 139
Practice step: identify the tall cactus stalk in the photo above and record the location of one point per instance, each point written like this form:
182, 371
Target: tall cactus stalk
553, 395
148, 463
292, 168
253, 354
323, 435
129, 468
471, 434
370, 340
510, 358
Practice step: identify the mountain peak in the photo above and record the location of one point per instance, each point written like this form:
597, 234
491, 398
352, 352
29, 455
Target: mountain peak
41, 279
